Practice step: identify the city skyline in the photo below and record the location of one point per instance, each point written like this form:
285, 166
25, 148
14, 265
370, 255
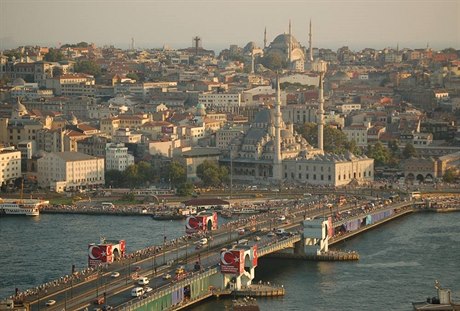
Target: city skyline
153, 24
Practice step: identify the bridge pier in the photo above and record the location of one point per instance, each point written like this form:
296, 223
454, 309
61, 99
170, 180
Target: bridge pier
314, 239
238, 266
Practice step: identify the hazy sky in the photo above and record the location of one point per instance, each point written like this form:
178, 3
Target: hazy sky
154, 23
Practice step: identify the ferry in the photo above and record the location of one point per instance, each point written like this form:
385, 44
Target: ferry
19, 207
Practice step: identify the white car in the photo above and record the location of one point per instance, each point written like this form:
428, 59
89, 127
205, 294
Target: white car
50, 302
147, 289
271, 234
115, 274
167, 276
143, 281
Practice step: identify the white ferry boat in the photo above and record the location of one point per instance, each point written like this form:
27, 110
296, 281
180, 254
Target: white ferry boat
26, 207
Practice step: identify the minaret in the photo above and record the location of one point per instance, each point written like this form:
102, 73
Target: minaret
310, 47
265, 37
321, 112
290, 44
277, 174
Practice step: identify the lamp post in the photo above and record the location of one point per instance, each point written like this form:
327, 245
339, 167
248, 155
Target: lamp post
164, 243
231, 173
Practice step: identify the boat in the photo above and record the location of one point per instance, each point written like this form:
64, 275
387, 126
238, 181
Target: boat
20, 207
441, 302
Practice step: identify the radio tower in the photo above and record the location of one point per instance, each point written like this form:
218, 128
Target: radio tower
132, 43
197, 41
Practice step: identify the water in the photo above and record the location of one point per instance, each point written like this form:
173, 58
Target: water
399, 261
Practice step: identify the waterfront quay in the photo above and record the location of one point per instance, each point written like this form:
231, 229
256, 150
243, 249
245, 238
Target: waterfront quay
79, 293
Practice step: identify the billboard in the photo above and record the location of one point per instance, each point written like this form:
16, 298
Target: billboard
232, 261
195, 224
99, 254
255, 256
105, 252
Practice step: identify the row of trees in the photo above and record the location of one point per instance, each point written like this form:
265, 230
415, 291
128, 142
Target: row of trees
335, 141
144, 173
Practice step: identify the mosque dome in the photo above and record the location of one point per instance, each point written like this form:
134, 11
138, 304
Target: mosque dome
249, 47
282, 42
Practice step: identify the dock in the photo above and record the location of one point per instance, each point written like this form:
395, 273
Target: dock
328, 256
260, 290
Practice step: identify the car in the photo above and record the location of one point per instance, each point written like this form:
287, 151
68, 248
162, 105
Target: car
115, 274
148, 289
99, 300
257, 238
136, 268
143, 281
137, 291
180, 270
280, 232
271, 234
50, 302
241, 231
198, 246
167, 276
281, 218
107, 308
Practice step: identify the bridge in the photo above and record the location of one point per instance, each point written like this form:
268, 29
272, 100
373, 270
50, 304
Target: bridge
310, 231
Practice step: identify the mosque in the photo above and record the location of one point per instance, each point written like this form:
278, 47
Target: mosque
290, 50
271, 152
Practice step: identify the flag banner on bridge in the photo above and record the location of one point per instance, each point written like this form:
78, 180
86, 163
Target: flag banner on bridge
232, 261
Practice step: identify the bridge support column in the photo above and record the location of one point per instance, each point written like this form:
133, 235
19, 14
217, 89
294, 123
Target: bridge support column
314, 239
238, 267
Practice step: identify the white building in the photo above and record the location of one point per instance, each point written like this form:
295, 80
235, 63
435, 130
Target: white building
117, 157
64, 171
227, 102
358, 133
10, 161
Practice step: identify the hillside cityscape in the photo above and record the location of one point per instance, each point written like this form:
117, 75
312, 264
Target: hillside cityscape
150, 115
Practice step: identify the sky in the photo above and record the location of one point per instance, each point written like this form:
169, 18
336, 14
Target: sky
155, 23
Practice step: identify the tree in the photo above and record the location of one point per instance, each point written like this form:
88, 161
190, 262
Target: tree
133, 76
409, 151
185, 189
54, 55
114, 178
57, 71
273, 61
379, 153
450, 175
394, 147
335, 141
211, 173
89, 67
178, 174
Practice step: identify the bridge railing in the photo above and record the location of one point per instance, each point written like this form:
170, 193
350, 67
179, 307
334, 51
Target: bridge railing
279, 245
135, 304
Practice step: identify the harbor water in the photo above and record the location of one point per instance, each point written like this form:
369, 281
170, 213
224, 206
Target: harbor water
398, 264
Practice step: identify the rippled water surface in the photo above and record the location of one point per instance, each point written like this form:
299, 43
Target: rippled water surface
399, 261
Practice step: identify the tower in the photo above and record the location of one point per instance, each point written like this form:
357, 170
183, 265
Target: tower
290, 44
265, 37
320, 67
310, 47
277, 174
197, 41
252, 61
132, 43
